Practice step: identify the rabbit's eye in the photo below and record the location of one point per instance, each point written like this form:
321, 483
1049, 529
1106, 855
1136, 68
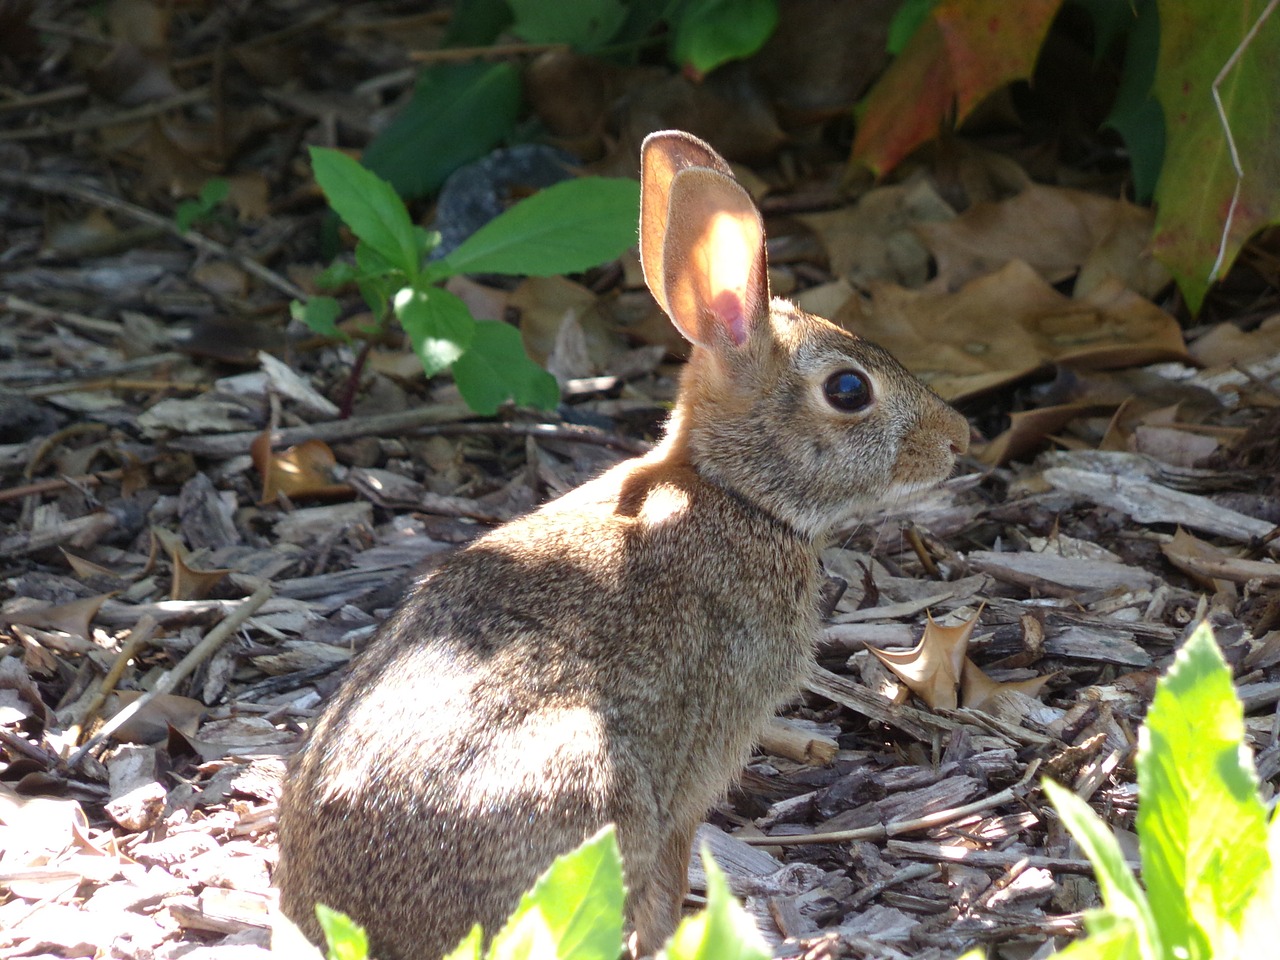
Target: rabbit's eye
847, 390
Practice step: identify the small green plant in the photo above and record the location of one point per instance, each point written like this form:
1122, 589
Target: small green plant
574, 912
191, 212
1208, 858
461, 111
563, 229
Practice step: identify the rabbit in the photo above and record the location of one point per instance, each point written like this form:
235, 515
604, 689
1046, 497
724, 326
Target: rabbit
612, 656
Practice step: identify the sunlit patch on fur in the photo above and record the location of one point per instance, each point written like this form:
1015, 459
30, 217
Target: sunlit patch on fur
664, 504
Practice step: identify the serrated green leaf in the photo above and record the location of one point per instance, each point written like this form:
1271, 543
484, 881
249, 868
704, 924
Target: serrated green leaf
562, 229
458, 113
439, 325
496, 369
321, 315
346, 938
369, 206
584, 25
709, 33
1201, 822
576, 907
1123, 897
469, 948
723, 931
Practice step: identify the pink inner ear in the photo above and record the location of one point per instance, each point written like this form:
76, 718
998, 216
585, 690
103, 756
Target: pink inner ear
728, 306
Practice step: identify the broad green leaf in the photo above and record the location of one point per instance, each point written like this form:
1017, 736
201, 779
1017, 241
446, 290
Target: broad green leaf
1111, 20
458, 113
337, 274
439, 325
723, 931
470, 946
321, 315
562, 229
496, 369
905, 22
1201, 823
1119, 941
1259, 934
369, 206
582, 24
1136, 114
963, 51
709, 33
476, 23
1123, 897
1194, 194
346, 939
576, 905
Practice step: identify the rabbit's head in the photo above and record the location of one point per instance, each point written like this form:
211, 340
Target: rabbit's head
802, 418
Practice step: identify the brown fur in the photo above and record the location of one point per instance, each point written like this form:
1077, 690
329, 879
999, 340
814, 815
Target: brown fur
612, 656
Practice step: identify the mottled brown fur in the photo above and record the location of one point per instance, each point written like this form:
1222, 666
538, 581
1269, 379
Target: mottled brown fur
612, 656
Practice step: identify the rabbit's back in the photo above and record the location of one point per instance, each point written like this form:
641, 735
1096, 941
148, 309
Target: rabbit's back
609, 658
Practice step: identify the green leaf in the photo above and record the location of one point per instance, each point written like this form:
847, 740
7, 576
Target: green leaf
1118, 941
709, 33
1201, 822
321, 315
723, 931
346, 939
213, 192
369, 206
337, 274
584, 25
575, 906
470, 946
562, 229
496, 369
458, 113
1123, 897
1136, 114
1258, 937
477, 23
906, 21
1198, 38
439, 325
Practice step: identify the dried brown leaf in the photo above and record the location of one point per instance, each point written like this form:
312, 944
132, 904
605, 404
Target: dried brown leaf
931, 669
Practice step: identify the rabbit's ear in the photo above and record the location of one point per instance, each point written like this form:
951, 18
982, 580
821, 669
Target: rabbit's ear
662, 156
713, 258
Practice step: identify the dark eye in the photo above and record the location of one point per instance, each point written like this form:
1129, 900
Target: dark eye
847, 390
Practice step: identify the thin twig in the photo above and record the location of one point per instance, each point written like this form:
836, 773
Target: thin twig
541, 431
85, 124
66, 188
494, 52
139, 637
170, 679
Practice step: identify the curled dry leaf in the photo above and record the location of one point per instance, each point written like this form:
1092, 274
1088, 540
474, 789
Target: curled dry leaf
951, 341
189, 582
1211, 565
1056, 231
977, 689
931, 669
74, 618
304, 471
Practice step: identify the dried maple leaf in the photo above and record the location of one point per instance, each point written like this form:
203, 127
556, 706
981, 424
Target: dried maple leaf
189, 582
977, 689
931, 669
